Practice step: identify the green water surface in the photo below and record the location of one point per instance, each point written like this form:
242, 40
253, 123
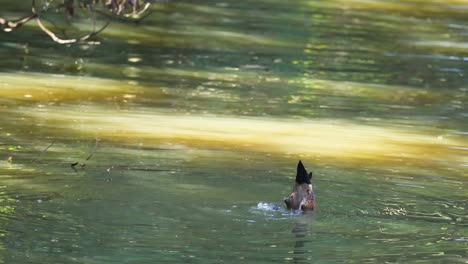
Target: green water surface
186, 129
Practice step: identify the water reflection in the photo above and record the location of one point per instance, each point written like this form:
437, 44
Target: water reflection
201, 114
324, 138
302, 237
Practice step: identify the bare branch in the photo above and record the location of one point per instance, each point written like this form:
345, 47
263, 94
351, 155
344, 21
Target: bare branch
116, 8
55, 38
9, 26
68, 41
42, 152
137, 11
95, 149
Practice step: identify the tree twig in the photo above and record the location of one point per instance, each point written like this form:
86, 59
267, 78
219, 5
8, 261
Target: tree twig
9, 26
137, 11
55, 38
94, 151
118, 8
67, 41
82, 165
42, 152
125, 18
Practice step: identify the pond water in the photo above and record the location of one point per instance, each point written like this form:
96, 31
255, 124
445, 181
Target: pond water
185, 131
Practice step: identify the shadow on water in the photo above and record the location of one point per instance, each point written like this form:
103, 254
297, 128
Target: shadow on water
201, 112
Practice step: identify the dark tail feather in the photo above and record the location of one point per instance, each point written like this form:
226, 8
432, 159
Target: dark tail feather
302, 176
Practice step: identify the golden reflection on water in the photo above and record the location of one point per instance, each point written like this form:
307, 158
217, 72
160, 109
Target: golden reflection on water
327, 138
36, 87
321, 138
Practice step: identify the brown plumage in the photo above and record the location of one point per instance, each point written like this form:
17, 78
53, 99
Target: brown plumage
302, 196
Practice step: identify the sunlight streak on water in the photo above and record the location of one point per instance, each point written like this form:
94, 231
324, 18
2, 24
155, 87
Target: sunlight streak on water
39, 87
327, 138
